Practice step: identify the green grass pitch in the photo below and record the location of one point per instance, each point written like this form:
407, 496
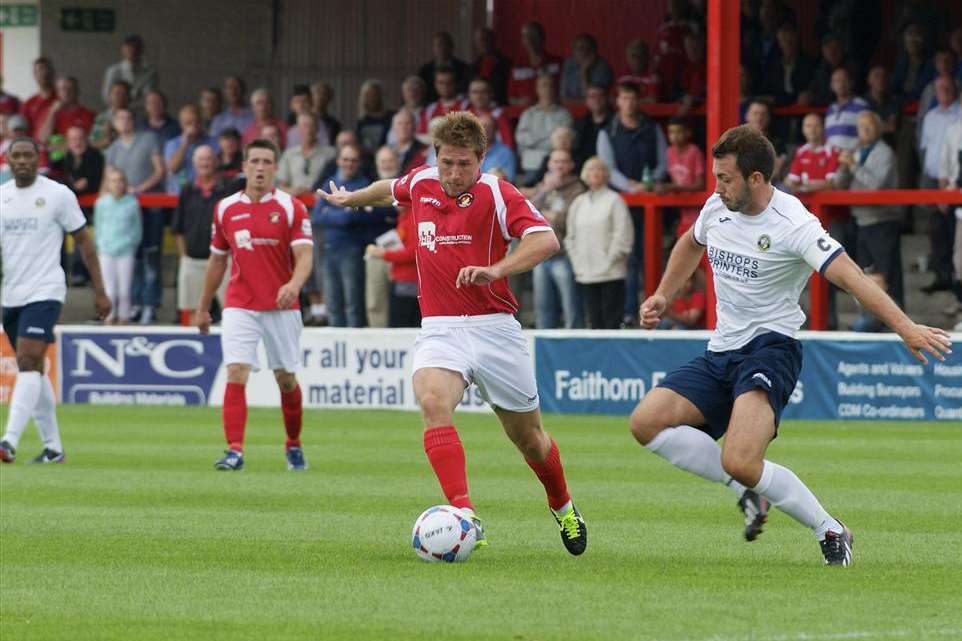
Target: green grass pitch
138, 538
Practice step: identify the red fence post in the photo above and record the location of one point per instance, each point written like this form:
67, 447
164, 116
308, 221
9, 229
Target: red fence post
818, 287
652, 249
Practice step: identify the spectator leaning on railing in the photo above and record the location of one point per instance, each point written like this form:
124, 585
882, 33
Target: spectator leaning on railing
871, 166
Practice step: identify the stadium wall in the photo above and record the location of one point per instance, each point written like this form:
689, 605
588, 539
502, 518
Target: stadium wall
844, 376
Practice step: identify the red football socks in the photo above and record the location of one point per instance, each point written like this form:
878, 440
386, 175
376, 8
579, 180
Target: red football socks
234, 414
293, 413
552, 475
446, 454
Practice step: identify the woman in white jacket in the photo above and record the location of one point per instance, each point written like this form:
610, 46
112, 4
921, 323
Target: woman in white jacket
600, 235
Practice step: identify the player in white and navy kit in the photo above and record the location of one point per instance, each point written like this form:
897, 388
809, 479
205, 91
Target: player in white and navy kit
762, 245
465, 222
35, 212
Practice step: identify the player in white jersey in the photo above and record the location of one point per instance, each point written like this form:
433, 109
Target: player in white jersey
763, 245
34, 214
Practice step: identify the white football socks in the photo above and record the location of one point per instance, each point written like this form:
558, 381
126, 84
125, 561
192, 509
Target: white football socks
694, 451
787, 492
23, 402
45, 416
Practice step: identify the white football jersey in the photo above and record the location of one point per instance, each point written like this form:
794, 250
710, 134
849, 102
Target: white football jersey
32, 226
760, 265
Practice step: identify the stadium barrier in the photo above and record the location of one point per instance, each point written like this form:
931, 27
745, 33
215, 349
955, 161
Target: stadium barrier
844, 376
652, 204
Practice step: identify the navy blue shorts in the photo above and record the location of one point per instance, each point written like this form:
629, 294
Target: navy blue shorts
770, 362
33, 320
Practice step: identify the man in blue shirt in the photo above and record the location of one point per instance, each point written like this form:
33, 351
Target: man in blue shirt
179, 151
499, 159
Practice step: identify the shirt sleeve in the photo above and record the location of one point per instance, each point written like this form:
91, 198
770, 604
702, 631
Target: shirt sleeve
700, 229
218, 240
519, 217
301, 225
71, 217
795, 171
815, 246
401, 187
831, 167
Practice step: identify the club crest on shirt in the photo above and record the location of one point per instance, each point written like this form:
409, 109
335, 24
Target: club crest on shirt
764, 242
40, 202
274, 217
465, 200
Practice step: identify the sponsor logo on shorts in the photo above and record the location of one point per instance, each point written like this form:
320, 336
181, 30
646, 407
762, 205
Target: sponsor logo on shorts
430, 201
762, 378
36, 330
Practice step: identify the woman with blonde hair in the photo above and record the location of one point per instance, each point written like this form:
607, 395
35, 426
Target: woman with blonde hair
599, 240
118, 229
373, 118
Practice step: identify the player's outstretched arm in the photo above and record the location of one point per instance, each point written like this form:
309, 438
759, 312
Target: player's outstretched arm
844, 273
88, 252
377, 194
533, 248
681, 264
213, 276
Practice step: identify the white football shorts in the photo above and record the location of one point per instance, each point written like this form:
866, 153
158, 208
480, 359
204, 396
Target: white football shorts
489, 351
243, 329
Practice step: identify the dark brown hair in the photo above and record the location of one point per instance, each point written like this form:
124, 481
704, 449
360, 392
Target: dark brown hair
752, 150
262, 143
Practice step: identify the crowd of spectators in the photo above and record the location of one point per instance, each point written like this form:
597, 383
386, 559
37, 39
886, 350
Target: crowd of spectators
572, 133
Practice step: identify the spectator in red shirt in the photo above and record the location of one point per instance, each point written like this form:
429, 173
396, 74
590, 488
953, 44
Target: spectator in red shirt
649, 82
263, 109
670, 48
687, 310
686, 168
445, 87
442, 51
36, 107
815, 163
65, 112
481, 101
9, 104
491, 64
524, 73
693, 85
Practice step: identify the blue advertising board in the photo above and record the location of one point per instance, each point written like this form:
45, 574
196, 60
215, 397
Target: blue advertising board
127, 367
847, 377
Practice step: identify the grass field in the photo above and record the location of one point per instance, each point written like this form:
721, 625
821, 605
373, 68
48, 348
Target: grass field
137, 537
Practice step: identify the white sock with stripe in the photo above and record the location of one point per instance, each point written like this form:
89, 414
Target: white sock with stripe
787, 492
23, 402
694, 451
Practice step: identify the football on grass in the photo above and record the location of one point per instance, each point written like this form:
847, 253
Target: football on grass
443, 533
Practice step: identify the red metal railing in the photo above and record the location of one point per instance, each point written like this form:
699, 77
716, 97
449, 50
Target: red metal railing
654, 228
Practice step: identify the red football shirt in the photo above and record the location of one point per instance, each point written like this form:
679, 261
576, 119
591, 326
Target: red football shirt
35, 110
814, 163
77, 115
521, 82
475, 228
259, 237
438, 109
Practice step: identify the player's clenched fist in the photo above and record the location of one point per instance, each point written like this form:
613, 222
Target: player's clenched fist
651, 310
473, 275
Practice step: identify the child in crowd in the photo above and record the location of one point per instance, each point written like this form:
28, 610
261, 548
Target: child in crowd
118, 229
686, 167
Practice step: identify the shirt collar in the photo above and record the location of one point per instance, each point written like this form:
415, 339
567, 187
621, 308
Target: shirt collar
266, 197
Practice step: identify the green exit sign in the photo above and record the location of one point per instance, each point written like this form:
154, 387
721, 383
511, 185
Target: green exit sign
87, 19
18, 15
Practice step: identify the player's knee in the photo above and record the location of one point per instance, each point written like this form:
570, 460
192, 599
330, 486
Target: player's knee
434, 409
534, 445
645, 425
286, 381
741, 468
237, 373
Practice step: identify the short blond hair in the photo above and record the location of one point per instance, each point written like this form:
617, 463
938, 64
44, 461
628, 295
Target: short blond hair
591, 162
460, 129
